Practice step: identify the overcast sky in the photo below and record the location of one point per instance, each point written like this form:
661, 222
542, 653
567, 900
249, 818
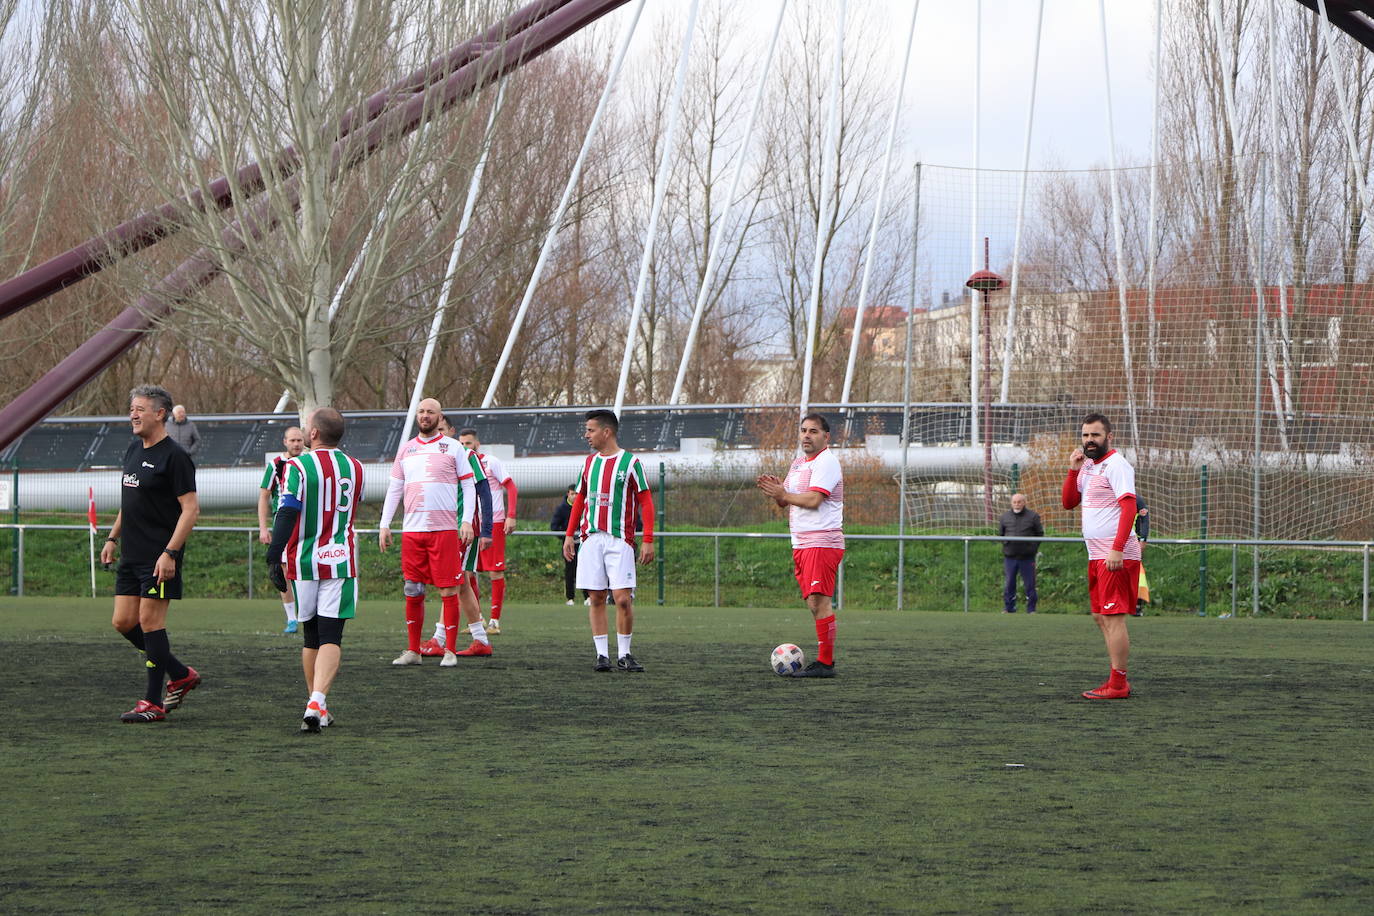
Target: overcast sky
1071, 117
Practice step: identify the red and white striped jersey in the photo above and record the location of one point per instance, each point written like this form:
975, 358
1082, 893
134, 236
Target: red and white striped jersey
824, 525
610, 486
497, 475
1101, 484
426, 476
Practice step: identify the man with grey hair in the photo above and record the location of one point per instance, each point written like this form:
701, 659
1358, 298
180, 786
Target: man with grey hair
158, 508
1018, 557
183, 431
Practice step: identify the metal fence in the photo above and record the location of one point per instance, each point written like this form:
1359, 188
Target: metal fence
733, 568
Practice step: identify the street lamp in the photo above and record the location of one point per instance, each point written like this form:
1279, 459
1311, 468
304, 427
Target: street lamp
986, 282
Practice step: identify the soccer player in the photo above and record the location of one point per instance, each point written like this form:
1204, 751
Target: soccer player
437, 479
293, 443
313, 533
813, 494
1103, 481
612, 487
503, 495
158, 508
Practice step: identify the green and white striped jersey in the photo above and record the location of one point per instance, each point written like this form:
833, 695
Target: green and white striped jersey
327, 485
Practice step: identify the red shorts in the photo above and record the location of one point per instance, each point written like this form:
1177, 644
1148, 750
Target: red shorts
1113, 591
431, 557
815, 568
493, 559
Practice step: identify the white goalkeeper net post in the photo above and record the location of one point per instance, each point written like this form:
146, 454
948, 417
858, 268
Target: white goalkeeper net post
612, 79
915, 229
661, 179
829, 164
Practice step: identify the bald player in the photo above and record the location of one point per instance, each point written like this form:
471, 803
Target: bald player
440, 484
269, 494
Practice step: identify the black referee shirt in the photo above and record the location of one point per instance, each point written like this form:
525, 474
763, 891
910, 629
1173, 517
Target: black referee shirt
153, 480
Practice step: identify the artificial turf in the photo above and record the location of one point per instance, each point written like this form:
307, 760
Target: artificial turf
950, 767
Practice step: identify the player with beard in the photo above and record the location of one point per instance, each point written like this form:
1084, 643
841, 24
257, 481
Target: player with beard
813, 495
1103, 481
440, 483
158, 508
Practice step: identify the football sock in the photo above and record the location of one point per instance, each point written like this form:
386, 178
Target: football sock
825, 637
479, 632
160, 653
135, 636
498, 597
1118, 678
290, 608
440, 630
153, 692
451, 615
622, 644
603, 644
318, 699
415, 620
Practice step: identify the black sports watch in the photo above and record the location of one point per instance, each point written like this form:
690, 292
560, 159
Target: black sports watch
174, 554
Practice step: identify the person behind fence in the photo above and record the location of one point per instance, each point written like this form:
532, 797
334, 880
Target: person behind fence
559, 524
183, 431
314, 554
813, 495
1103, 481
269, 492
158, 508
1018, 557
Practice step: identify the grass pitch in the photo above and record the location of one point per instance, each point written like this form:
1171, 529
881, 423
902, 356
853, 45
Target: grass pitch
950, 767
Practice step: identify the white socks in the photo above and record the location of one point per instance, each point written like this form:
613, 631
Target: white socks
479, 632
622, 644
318, 699
290, 608
603, 646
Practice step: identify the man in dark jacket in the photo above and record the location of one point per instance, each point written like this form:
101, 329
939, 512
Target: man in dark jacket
1018, 557
559, 526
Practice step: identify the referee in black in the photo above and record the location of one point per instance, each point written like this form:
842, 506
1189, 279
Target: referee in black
157, 510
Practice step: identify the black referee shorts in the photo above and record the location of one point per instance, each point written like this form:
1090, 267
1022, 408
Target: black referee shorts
141, 579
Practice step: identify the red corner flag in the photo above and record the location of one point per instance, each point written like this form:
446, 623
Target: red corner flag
90, 507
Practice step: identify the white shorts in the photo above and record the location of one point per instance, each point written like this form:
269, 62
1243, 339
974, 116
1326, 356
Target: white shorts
605, 562
337, 598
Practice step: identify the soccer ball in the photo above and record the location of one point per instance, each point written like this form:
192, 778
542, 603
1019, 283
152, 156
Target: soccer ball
787, 659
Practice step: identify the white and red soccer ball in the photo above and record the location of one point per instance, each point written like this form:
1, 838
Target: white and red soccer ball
787, 659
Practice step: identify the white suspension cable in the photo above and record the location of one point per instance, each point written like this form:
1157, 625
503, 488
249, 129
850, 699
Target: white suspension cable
878, 211
1358, 172
451, 271
661, 179
1152, 230
829, 163
611, 80
1021, 212
1285, 354
713, 254
1117, 234
1230, 56
975, 301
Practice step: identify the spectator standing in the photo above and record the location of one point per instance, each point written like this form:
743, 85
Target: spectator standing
559, 524
1018, 557
183, 430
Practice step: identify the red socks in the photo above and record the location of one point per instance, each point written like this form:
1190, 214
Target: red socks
415, 620
1117, 680
451, 613
498, 597
825, 636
